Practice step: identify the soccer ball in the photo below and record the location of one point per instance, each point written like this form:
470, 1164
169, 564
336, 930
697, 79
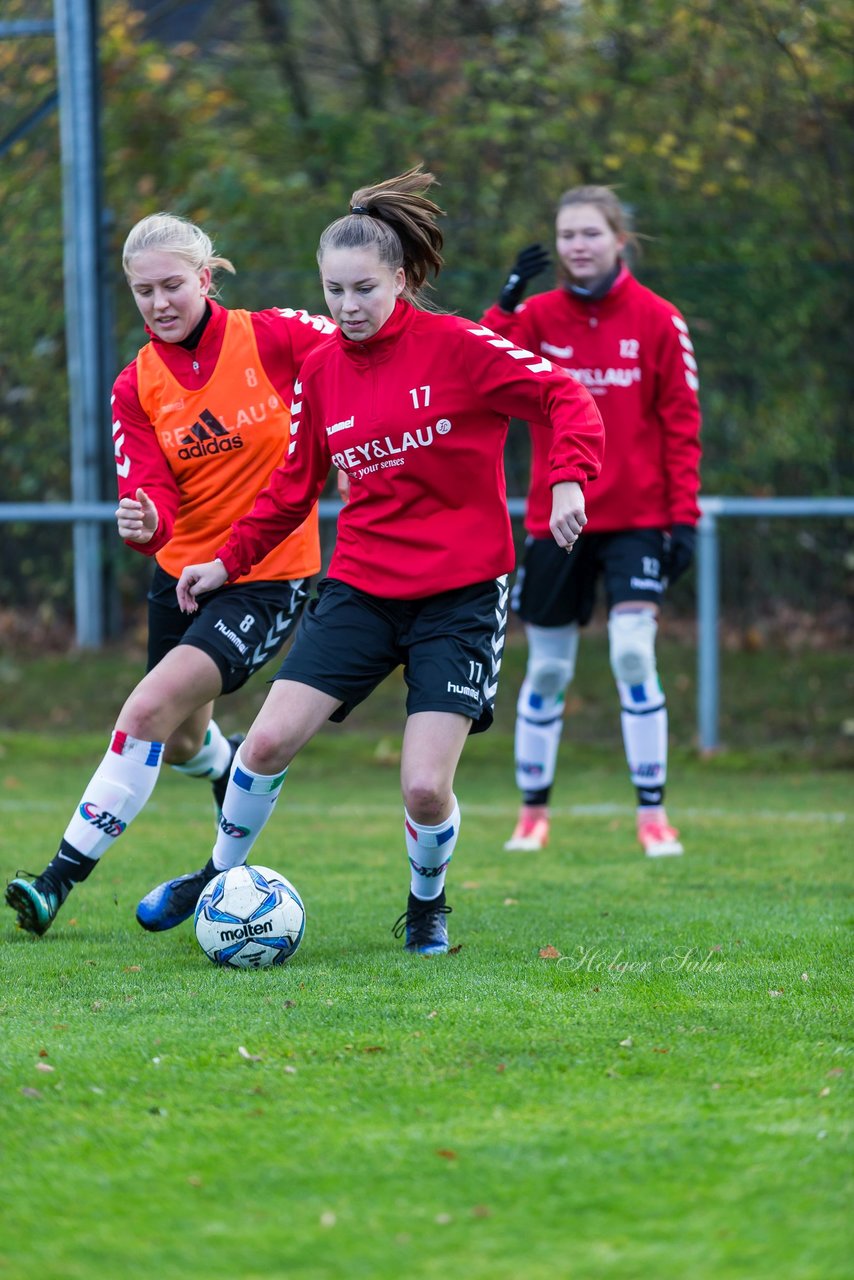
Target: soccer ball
249, 918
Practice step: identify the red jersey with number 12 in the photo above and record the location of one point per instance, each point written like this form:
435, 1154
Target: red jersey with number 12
632, 350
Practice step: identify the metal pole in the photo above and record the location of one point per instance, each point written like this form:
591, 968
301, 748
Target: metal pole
75, 26
708, 607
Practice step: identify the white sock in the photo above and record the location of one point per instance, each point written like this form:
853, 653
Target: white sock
115, 794
213, 759
536, 741
645, 740
250, 799
429, 850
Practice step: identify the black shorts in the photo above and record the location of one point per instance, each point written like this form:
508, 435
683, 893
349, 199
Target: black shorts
449, 646
240, 627
553, 589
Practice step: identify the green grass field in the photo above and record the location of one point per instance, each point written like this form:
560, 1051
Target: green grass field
666, 1092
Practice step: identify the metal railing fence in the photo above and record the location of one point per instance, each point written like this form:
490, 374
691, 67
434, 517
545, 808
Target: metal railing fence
89, 628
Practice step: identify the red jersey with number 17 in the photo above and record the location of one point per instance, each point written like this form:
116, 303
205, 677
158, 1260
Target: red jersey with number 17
417, 416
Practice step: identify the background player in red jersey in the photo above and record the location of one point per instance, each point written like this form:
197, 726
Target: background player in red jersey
414, 406
200, 420
632, 350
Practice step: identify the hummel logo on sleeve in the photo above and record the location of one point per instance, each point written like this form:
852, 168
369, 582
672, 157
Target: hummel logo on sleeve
516, 353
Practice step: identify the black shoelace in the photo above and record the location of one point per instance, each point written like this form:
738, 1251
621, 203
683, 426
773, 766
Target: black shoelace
418, 916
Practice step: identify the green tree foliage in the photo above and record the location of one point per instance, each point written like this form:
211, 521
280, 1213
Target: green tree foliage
725, 127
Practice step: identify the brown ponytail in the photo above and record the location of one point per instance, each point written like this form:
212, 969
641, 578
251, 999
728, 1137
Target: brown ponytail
400, 221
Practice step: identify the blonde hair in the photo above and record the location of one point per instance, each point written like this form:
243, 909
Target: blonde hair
400, 221
173, 234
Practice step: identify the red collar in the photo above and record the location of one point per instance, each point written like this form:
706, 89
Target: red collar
381, 344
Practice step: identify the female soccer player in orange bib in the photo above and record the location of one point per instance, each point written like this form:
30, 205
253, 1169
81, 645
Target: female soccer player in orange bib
200, 421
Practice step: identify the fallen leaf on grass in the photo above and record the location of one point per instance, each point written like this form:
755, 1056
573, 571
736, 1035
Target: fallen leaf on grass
290, 1071
43, 1053
775, 993
30, 1093
501, 1067
822, 1093
511, 902
132, 968
289, 1004
44, 1066
627, 1043
446, 1153
481, 1211
470, 884
549, 953
434, 1013
328, 1218
835, 1071
453, 951
661, 1050
443, 1219
250, 1057
374, 1048
194, 1180
805, 977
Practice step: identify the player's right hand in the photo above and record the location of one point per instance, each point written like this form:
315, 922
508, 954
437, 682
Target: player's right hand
196, 580
137, 518
529, 263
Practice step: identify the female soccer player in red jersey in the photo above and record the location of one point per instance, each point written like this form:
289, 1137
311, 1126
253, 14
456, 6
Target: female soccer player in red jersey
632, 350
200, 420
414, 407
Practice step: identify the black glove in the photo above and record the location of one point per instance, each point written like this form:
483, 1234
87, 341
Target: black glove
530, 263
680, 551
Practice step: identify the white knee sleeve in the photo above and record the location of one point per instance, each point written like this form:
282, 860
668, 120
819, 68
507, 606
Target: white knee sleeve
644, 714
552, 653
632, 651
539, 711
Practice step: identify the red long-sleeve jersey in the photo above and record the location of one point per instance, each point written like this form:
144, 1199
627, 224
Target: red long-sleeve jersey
417, 416
194, 474
632, 350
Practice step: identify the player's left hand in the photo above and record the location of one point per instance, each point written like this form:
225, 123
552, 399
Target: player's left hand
680, 554
567, 518
196, 579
